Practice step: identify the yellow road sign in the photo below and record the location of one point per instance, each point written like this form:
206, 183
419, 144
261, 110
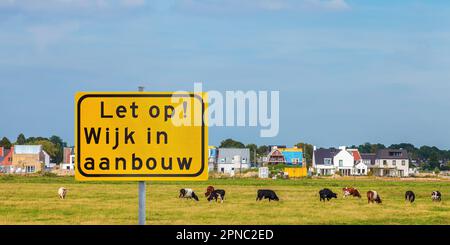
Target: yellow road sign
141, 136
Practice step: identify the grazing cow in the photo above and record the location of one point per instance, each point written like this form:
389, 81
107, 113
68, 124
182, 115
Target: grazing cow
217, 194
62, 192
349, 191
410, 196
326, 194
373, 196
188, 193
266, 194
436, 196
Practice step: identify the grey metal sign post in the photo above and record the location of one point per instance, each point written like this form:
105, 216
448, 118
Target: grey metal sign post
141, 202
141, 191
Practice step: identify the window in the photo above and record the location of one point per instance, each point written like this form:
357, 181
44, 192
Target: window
394, 162
403, 162
327, 161
384, 162
341, 163
363, 171
295, 160
222, 160
395, 153
29, 169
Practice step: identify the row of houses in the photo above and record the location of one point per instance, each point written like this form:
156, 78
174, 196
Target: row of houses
31, 159
325, 161
346, 162
233, 160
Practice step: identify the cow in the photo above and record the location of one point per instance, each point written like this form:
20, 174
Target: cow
410, 196
373, 196
211, 194
326, 194
217, 194
349, 191
266, 194
62, 192
436, 196
187, 193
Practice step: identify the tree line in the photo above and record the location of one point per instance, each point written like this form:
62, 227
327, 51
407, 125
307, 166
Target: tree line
427, 157
54, 145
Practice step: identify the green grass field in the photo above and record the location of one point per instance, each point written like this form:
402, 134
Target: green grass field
34, 200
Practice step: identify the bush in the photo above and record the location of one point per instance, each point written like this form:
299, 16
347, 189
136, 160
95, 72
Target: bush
48, 174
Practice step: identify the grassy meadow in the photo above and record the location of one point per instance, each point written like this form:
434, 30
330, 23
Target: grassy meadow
34, 200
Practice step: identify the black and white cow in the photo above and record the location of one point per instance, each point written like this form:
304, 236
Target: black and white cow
436, 196
217, 195
188, 193
410, 196
326, 194
266, 194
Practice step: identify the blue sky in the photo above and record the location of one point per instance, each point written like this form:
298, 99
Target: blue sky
348, 72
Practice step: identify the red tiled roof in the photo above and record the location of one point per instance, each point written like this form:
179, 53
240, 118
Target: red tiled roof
356, 155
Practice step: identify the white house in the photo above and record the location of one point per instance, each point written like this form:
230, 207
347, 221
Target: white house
70, 165
391, 162
344, 161
360, 169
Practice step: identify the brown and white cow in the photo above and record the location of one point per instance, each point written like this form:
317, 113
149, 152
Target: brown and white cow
373, 196
350, 191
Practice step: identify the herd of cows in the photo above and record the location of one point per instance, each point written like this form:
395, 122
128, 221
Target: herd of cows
324, 194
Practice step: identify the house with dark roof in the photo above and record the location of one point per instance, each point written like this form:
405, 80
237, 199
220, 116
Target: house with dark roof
323, 161
232, 160
391, 162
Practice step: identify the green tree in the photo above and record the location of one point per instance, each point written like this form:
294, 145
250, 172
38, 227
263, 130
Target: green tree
21, 139
5, 143
262, 150
253, 148
60, 144
375, 147
308, 151
230, 143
